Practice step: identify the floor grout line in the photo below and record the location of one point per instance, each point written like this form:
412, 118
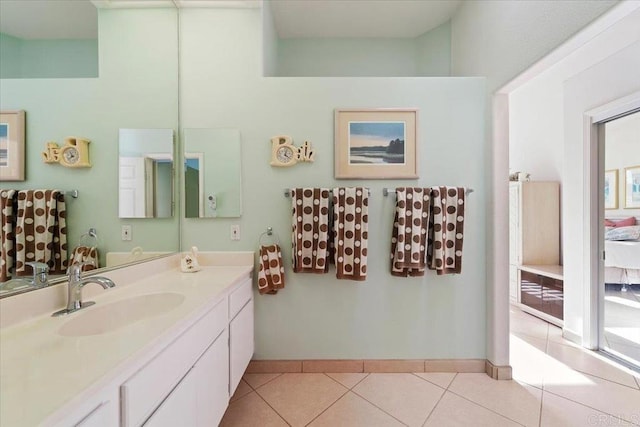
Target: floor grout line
239, 397
434, 407
362, 397
327, 408
541, 406
482, 406
587, 406
263, 384
363, 378
430, 382
274, 409
348, 388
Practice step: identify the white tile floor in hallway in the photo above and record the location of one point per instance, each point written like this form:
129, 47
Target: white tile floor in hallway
555, 384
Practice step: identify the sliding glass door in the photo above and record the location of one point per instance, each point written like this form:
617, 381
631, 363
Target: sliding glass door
619, 331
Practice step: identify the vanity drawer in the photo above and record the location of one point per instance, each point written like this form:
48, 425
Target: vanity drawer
144, 391
239, 298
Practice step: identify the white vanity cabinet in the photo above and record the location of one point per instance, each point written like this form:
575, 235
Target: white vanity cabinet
100, 411
174, 367
200, 398
189, 383
180, 407
240, 333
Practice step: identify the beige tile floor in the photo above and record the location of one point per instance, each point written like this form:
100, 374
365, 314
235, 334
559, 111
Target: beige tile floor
555, 384
622, 320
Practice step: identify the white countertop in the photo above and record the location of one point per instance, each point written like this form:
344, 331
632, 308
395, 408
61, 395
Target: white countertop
41, 370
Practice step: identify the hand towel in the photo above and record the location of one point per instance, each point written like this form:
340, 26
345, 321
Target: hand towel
7, 233
351, 232
409, 236
41, 230
271, 270
446, 230
86, 254
310, 239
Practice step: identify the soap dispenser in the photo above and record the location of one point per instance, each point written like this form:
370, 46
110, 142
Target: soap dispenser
189, 262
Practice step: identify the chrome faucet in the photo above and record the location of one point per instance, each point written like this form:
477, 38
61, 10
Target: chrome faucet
40, 278
76, 283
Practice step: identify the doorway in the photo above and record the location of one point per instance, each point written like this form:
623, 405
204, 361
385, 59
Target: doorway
619, 291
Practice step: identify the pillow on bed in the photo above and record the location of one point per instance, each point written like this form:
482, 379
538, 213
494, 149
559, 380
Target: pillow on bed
620, 223
623, 233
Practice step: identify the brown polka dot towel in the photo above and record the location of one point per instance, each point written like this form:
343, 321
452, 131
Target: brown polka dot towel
409, 236
8, 208
41, 230
310, 230
351, 229
446, 230
271, 270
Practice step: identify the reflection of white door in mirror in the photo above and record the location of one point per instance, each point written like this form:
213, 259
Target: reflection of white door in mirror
146, 173
132, 187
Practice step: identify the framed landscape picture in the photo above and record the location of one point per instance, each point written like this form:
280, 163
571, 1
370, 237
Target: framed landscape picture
11, 145
611, 189
632, 187
376, 143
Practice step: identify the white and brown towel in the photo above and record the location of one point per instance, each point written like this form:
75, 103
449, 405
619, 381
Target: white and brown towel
271, 270
8, 199
310, 230
409, 237
41, 230
351, 230
87, 255
446, 230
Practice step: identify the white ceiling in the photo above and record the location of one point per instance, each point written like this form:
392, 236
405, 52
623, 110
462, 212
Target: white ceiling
77, 19
42, 19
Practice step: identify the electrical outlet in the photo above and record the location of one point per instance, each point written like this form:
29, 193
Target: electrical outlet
126, 232
235, 232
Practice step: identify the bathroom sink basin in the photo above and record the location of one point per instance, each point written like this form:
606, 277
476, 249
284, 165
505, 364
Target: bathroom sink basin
116, 315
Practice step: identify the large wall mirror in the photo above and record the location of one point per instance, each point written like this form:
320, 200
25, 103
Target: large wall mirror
145, 180
136, 89
212, 173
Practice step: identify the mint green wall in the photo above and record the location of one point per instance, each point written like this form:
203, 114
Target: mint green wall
48, 58
137, 88
9, 56
433, 52
221, 149
426, 55
317, 316
269, 41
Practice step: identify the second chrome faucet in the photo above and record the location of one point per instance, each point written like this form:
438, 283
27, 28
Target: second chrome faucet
74, 291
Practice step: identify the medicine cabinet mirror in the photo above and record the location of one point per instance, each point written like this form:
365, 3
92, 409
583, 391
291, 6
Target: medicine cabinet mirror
212, 173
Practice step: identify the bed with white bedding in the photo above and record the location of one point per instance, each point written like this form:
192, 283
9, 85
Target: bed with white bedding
622, 256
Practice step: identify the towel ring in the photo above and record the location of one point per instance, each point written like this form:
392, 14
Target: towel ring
89, 237
268, 234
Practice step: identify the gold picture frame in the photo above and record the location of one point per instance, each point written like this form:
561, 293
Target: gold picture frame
632, 187
611, 189
376, 143
12, 145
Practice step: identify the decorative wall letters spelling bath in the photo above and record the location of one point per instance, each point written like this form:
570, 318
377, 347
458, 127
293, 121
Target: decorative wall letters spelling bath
284, 153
